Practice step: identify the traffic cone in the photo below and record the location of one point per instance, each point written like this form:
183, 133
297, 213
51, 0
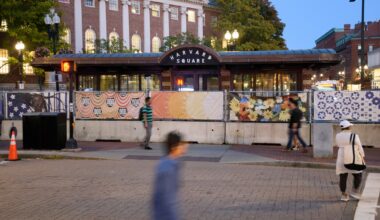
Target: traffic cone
12, 156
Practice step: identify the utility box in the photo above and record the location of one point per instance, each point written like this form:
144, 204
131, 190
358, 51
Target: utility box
31, 126
47, 130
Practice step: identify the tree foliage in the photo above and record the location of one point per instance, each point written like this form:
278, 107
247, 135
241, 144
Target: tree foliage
181, 39
256, 21
115, 45
25, 21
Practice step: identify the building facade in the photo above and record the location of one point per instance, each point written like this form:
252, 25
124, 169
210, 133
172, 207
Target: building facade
374, 67
197, 68
346, 42
140, 24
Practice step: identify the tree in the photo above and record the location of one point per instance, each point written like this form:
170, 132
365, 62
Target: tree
256, 21
25, 21
181, 39
115, 45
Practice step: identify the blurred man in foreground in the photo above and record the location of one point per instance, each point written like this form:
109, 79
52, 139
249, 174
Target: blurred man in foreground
166, 183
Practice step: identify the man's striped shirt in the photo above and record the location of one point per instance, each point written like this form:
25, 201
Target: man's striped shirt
149, 114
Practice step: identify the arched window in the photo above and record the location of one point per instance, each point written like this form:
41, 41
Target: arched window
136, 42
113, 36
156, 44
67, 36
90, 38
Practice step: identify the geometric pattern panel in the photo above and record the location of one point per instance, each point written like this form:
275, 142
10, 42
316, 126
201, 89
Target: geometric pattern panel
361, 106
108, 105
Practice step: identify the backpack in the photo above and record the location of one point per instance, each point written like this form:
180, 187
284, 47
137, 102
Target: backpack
353, 159
141, 114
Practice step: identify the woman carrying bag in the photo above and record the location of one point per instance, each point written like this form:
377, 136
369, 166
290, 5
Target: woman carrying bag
350, 159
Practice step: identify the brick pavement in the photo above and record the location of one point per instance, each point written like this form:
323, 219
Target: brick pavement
275, 152
121, 189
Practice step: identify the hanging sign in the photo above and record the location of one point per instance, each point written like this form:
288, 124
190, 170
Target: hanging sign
189, 56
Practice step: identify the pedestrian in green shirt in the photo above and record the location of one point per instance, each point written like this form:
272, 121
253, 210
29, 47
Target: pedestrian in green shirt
147, 120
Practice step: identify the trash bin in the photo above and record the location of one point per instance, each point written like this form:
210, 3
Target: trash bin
31, 127
47, 130
54, 131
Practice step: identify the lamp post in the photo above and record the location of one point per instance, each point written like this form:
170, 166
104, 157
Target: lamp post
362, 50
342, 78
52, 21
70, 68
20, 46
234, 36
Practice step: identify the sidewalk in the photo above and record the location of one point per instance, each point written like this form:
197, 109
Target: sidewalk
258, 154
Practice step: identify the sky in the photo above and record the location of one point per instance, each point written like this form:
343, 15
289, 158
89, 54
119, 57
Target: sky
307, 20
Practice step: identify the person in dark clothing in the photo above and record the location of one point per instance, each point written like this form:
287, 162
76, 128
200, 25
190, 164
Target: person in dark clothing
295, 125
166, 183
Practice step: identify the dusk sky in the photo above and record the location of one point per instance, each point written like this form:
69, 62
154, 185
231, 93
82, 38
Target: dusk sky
307, 20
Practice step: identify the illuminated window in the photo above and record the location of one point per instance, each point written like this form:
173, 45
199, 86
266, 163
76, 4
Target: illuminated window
153, 81
88, 83
136, 42
129, 82
156, 44
155, 10
28, 69
113, 5
174, 13
191, 16
3, 26
135, 5
108, 83
90, 37
4, 67
113, 36
67, 36
89, 3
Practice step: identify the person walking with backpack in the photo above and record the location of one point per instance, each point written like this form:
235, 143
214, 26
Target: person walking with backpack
349, 147
146, 115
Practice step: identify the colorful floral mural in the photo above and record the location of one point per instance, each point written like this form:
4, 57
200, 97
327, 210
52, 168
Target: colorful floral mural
248, 107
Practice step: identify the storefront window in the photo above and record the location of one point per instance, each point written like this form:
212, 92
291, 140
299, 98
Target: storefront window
152, 80
237, 82
87, 83
248, 82
185, 83
108, 82
265, 84
129, 82
213, 83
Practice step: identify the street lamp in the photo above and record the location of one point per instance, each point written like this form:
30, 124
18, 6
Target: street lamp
362, 49
20, 46
234, 36
52, 21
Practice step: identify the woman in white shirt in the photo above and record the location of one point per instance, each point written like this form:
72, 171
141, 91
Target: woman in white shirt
343, 141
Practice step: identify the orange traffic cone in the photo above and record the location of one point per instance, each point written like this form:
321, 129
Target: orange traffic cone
12, 156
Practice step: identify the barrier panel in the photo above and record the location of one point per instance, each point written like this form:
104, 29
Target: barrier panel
108, 105
188, 105
19, 103
360, 106
254, 107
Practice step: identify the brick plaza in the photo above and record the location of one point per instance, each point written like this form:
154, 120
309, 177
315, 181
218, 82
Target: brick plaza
121, 189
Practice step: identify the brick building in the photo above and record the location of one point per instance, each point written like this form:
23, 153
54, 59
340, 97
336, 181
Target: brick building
346, 42
141, 24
